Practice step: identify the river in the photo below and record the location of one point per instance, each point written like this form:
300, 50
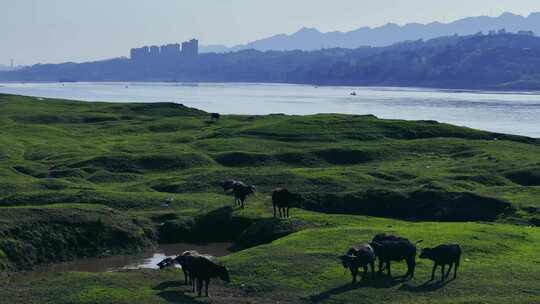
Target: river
504, 112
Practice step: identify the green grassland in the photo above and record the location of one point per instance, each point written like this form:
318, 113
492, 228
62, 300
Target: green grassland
89, 179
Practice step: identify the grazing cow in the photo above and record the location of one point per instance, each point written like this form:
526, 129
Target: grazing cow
185, 260
392, 248
241, 192
215, 116
203, 269
359, 256
282, 199
443, 255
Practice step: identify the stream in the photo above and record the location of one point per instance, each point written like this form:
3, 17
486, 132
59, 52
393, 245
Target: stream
142, 260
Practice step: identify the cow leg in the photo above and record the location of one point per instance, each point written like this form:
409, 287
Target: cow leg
193, 284
388, 268
206, 290
365, 272
372, 264
449, 269
354, 273
411, 265
433, 271
455, 268
288, 212
442, 272
380, 266
242, 200
199, 286
280, 216
274, 210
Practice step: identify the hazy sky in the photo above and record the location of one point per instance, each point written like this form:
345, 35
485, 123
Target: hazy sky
34, 31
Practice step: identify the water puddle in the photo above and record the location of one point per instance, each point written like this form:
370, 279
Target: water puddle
144, 260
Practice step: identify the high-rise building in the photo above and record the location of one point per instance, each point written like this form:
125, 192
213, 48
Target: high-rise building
140, 53
169, 52
190, 48
154, 51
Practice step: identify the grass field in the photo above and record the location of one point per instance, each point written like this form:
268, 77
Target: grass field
88, 179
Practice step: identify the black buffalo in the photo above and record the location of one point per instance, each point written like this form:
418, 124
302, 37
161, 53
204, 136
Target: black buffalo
393, 248
240, 192
359, 256
203, 269
283, 199
443, 255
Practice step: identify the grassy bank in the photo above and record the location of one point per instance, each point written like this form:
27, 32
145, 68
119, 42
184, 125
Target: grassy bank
37, 235
88, 179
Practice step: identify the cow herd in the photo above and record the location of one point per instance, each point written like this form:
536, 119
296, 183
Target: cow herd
388, 248
282, 199
199, 268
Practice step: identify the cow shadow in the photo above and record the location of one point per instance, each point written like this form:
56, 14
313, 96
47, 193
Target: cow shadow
428, 286
376, 282
168, 284
174, 296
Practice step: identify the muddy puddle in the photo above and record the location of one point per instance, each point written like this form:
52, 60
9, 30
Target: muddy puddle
143, 260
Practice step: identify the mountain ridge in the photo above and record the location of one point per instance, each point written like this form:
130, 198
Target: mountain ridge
309, 39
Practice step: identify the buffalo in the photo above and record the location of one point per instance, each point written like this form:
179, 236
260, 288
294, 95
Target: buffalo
185, 260
393, 248
203, 269
359, 256
443, 255
283, 199
240, 192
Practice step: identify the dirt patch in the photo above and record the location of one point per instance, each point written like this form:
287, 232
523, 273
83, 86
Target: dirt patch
243, 159
417, 205
525, 177
345, 156
267, 230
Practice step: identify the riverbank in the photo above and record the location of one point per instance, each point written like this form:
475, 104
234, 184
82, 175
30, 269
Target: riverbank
502, 112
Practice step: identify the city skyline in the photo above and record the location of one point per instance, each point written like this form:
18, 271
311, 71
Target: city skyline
60, 30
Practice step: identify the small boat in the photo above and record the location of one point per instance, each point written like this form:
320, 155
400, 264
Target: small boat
353, 93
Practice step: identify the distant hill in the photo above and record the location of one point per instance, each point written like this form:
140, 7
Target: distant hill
502, 61
308, 39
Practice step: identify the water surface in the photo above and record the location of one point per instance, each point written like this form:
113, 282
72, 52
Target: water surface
144, 260
505, 112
